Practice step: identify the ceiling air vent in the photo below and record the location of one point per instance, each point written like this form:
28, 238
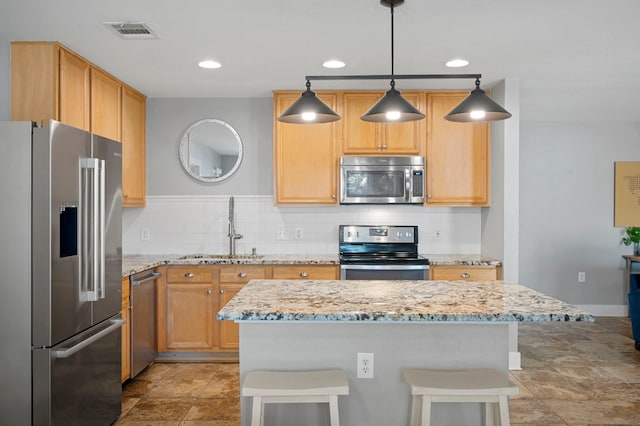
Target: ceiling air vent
132, 30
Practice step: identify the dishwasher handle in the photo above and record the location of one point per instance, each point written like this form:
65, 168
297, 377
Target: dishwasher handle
154, 276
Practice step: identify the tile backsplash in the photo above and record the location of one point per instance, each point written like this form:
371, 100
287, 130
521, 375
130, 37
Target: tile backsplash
199, 224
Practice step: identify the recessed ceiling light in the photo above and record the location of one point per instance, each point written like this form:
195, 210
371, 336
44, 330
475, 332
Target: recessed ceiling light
209, 64
457, 63
333, 63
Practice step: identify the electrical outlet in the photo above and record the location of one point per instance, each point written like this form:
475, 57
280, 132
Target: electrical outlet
364, 365
145, 234
582, 277
298, 233
282, 234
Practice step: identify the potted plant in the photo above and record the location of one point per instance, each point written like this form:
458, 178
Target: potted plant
632, 236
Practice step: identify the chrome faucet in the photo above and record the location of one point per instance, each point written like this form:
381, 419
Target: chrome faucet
232, 229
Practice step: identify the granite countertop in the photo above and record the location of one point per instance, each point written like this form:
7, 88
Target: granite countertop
132, 264
397, 301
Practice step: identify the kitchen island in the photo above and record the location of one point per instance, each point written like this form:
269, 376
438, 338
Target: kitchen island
294, 325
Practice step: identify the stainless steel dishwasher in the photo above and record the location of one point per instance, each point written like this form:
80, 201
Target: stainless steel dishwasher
144, 348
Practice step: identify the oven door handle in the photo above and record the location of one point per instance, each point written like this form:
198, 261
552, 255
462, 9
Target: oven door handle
385, 267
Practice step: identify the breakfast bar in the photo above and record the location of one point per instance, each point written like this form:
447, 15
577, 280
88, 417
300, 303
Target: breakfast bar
304, 325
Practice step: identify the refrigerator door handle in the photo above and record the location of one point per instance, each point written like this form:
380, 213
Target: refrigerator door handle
100, 211
91, 235
66, 353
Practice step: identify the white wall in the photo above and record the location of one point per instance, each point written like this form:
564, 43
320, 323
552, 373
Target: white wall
198, 224
566, 209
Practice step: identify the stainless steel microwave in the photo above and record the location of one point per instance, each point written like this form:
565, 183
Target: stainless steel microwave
382, 180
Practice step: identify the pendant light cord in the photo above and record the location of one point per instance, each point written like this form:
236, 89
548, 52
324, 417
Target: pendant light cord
393, 82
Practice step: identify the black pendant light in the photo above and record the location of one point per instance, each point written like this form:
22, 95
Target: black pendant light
308, 109
392, 108
477, 107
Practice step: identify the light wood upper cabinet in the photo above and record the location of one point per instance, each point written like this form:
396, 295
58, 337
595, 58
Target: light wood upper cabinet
105, 105
133, 139
457, 155
365, 138
49, 82
74, 90
305, 156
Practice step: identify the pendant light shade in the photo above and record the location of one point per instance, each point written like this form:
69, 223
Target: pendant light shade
308, 109
477, 107
392, 108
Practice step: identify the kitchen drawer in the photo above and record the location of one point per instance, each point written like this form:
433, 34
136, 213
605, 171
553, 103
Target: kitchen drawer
242, 273
305, 272
190, 274
467, 273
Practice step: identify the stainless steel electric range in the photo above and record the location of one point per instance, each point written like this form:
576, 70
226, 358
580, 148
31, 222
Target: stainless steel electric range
383, 252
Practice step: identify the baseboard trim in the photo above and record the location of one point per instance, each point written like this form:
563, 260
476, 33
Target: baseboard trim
606, 310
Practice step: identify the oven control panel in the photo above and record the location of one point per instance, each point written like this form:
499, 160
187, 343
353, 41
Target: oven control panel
378, 234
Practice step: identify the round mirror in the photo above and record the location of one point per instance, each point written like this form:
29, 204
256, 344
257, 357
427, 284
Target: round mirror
210, 150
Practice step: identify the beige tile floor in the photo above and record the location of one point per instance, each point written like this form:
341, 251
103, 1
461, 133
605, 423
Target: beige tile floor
573, 374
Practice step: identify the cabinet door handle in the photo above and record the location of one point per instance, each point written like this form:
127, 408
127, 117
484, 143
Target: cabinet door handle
384, 146
221, 291
429, 196
242, 274
465, 275
189, 275
304, 274
209, 291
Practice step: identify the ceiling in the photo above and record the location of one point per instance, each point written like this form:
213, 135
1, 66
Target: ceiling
573, 59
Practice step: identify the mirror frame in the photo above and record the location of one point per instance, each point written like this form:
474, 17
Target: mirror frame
183, 151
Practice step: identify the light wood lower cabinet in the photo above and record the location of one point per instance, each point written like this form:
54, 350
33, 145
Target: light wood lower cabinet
306, 272
126, 330
466, 273
190, 296
186, 314
232, 279
229, 330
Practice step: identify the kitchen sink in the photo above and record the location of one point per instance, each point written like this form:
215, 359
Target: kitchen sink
222, 256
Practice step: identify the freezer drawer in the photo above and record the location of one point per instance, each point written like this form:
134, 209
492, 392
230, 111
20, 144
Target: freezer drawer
78, 381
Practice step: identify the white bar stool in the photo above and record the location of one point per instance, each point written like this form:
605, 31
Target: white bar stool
268, 387
483, 385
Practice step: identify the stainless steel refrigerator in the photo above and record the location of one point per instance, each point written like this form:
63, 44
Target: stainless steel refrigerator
60, 269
